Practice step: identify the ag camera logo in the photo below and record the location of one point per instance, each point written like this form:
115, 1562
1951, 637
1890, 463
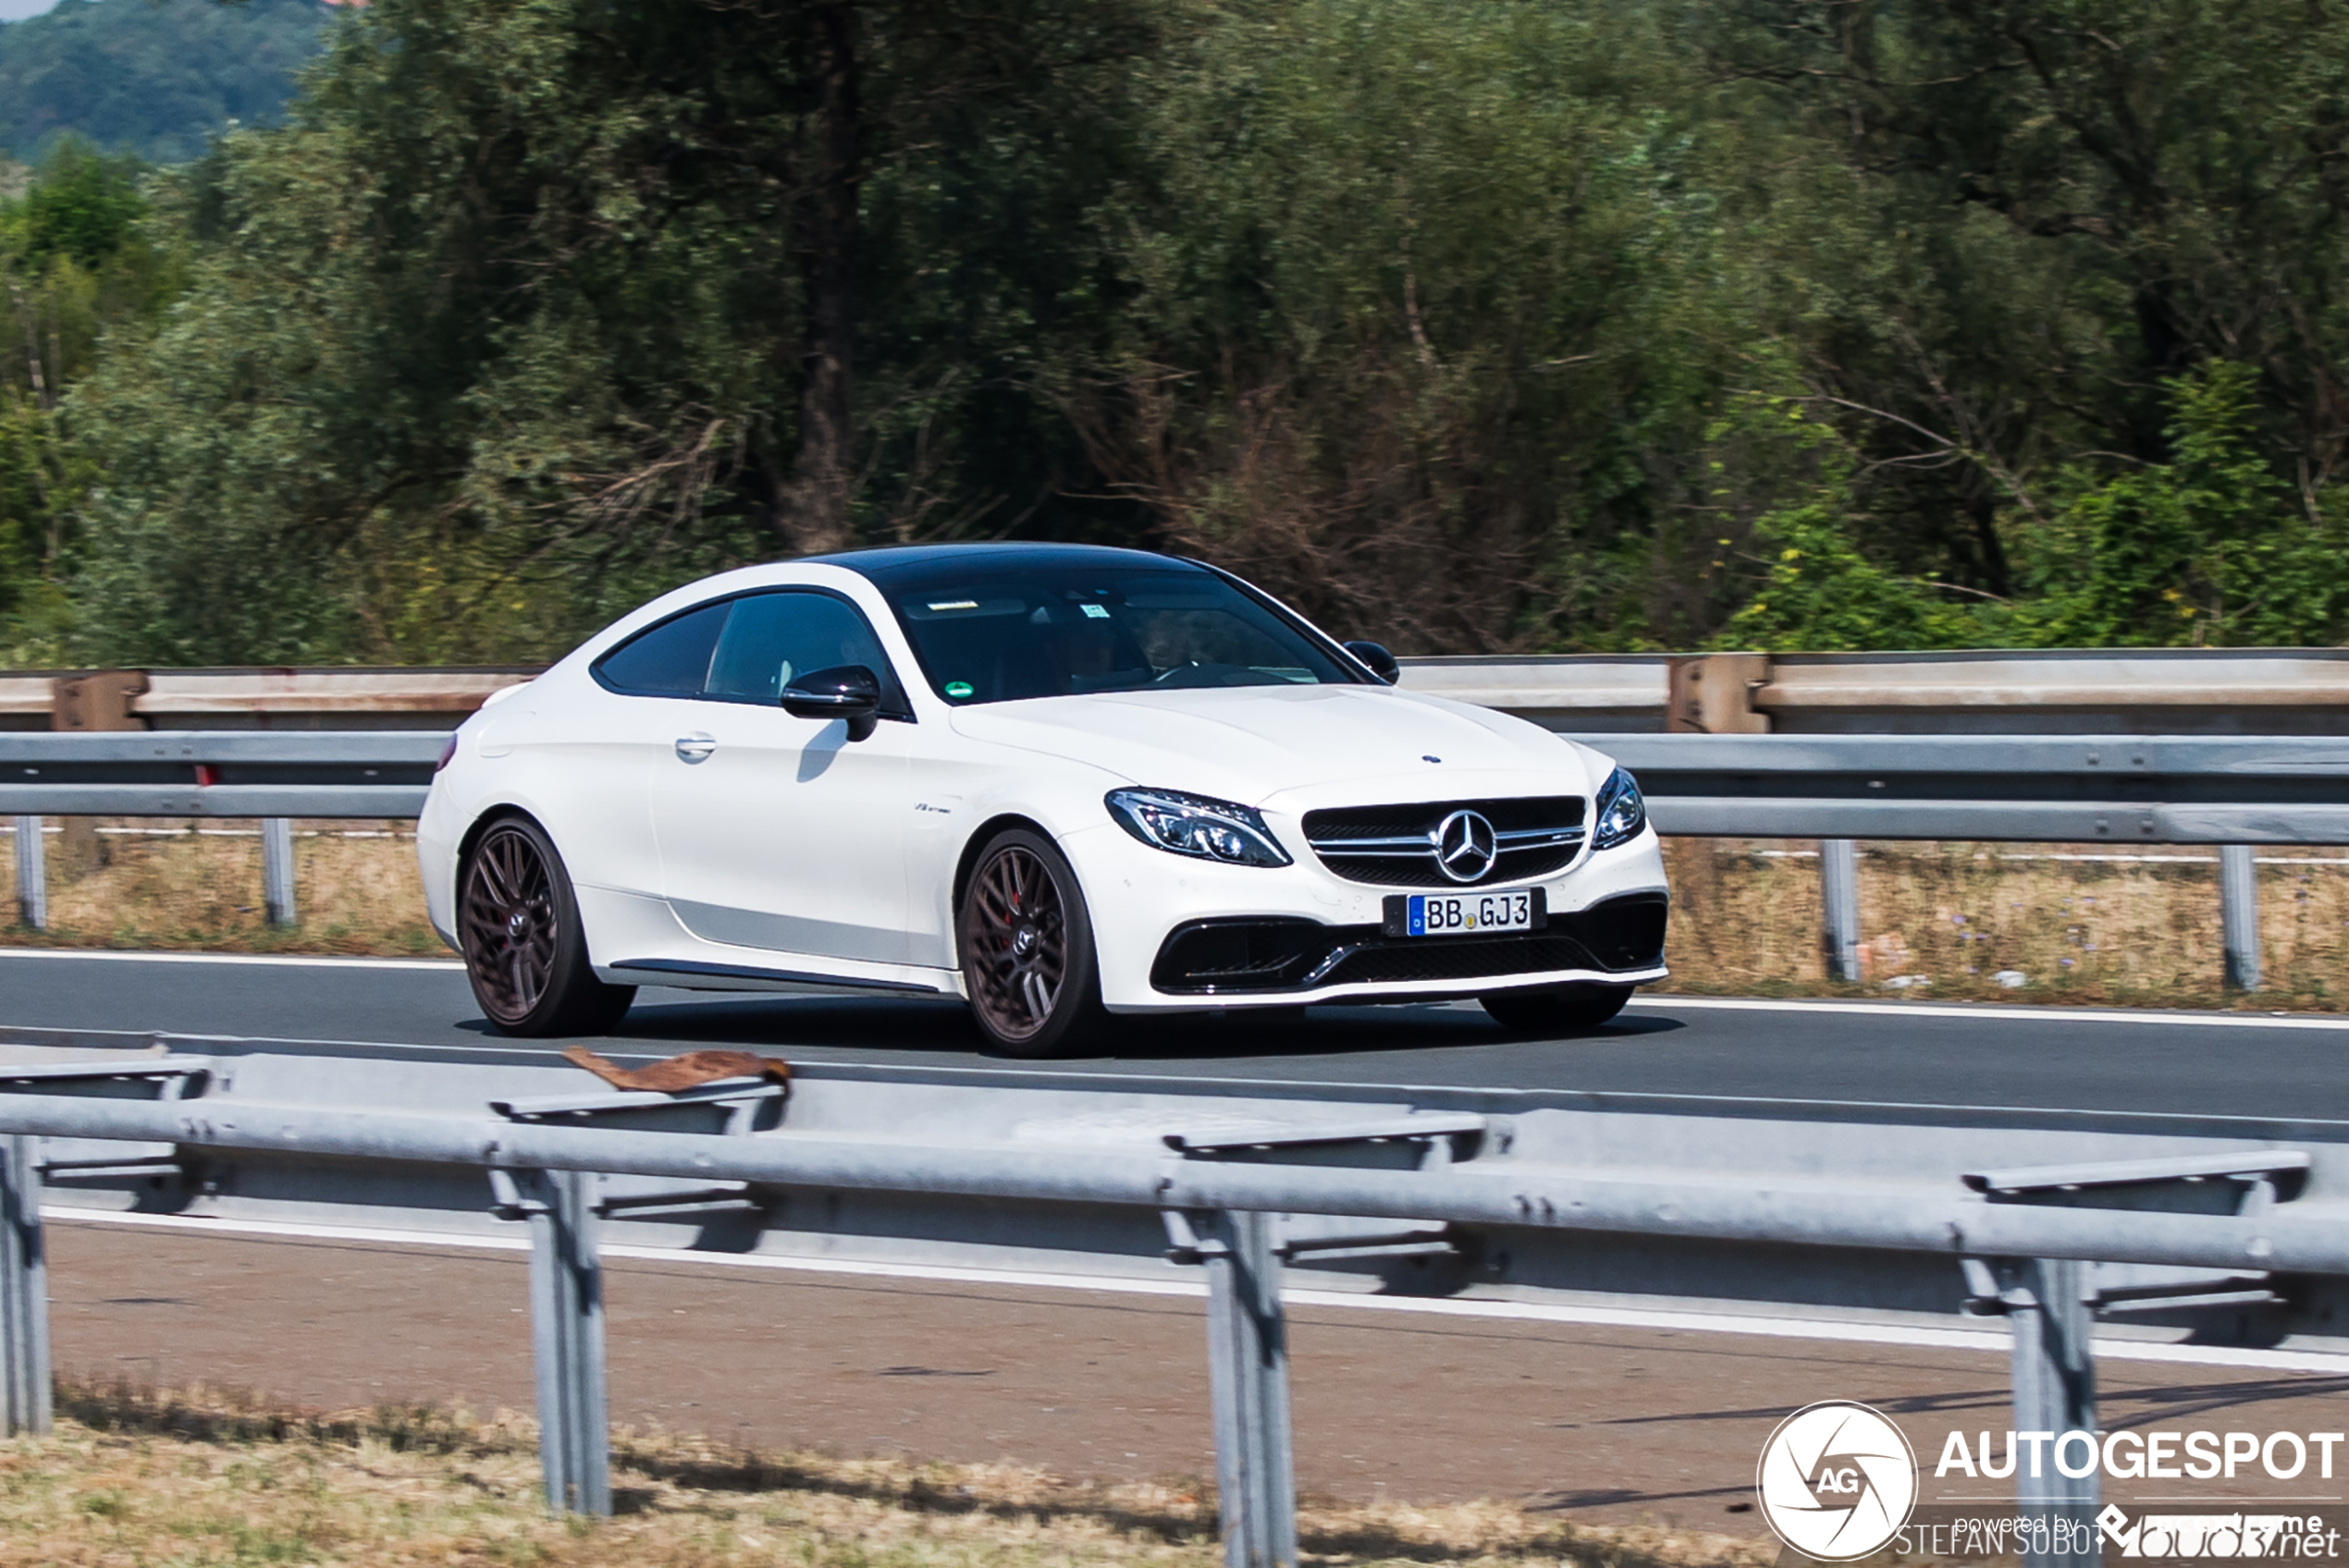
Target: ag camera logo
1837, 1481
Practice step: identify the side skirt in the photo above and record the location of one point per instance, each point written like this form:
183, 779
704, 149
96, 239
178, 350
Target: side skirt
688, 968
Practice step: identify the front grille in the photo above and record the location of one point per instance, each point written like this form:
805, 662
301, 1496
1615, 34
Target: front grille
1208, 957
1394, 846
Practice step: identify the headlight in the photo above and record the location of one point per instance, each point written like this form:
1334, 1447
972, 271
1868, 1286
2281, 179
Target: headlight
1621, 813
1193, 825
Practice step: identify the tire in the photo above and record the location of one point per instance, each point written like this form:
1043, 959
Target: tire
1026, 941
525, 951
1568, 1007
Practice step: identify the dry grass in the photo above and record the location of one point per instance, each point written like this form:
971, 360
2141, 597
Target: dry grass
198, 886
2071, 923
133, 1477
1746, 917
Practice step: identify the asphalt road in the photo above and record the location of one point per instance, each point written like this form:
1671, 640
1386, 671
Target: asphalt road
1900, 1053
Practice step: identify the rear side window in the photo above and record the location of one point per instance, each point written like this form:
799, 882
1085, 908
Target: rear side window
748, 649
670, 660
773, 638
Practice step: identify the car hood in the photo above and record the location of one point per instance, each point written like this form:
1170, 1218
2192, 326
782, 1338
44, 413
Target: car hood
1254, 742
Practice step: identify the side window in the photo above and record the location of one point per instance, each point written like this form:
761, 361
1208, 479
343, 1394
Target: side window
771, 639
669, 660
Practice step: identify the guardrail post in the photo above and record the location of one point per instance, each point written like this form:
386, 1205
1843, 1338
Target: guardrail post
2055, 1394
278, 869
2239, 914
32, 874
566, 1332
1713, 695
1248, 1363
24, 1291
1839, 906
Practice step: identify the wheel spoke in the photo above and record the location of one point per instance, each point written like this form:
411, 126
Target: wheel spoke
494, 877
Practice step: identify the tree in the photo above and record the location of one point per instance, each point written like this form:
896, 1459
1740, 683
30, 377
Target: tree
1478, 325
76, 261
2020, 220
535, 308
1423, 307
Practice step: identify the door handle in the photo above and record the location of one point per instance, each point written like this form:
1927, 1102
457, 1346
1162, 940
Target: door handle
694, 748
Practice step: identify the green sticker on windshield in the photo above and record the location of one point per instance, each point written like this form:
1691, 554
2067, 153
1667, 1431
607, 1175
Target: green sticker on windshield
958, 687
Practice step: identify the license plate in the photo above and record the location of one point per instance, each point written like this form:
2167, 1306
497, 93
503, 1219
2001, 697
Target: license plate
1466, 914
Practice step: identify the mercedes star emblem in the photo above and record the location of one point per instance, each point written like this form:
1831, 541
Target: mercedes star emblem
1465, 846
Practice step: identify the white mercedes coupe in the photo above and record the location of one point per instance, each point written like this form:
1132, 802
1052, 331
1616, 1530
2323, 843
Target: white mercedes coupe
1065, 783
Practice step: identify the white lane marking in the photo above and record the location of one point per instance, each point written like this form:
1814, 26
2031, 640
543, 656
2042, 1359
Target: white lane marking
1987, 1341
1990, 1011
299, 961
51, 1213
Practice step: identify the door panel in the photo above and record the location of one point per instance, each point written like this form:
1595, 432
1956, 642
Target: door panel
590, 775
781, 833
589, 783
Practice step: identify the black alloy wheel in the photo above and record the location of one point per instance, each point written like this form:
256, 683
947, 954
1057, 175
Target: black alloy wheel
1566, 1007
525, 951
1026, 944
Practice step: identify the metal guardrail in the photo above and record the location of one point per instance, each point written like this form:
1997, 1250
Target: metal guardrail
2233, 791
2043, 1219
394, 698
2150, 692
219, 773
273, 776
2143, 789
2230, 792
2153, 790
1969, 787
2156, 690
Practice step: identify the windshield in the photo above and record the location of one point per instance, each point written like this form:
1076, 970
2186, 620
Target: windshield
1002, 635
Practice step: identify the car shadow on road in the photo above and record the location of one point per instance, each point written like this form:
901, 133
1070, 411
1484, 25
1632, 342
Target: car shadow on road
943, 1029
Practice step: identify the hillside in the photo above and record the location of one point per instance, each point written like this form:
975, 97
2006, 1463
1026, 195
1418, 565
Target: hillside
151, 77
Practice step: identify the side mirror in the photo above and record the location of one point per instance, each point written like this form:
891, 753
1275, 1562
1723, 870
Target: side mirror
850, 691
1377, 660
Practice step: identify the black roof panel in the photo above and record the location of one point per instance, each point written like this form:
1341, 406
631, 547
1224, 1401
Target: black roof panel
895, 563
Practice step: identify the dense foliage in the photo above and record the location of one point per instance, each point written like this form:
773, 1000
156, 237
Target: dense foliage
76, 260
158, 78
1474, 324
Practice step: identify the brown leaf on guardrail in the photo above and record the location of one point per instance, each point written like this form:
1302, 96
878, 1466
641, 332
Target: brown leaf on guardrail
686, 1071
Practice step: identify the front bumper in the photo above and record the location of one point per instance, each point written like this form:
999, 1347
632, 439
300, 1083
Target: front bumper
1619, 937
1145, 903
